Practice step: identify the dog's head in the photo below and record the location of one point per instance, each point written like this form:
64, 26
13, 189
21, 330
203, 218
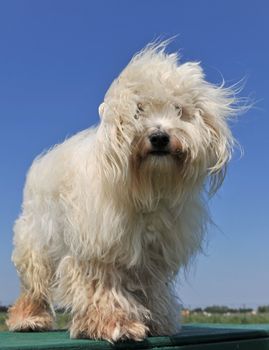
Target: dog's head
163, 124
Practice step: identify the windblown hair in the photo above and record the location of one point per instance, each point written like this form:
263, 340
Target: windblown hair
108, 221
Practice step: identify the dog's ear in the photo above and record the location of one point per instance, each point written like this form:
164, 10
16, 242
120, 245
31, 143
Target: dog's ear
220, 144
101, 109
215, 105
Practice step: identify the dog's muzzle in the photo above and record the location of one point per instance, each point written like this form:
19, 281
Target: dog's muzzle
160, 143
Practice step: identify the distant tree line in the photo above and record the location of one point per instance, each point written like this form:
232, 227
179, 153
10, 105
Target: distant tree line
218, 309
263, 309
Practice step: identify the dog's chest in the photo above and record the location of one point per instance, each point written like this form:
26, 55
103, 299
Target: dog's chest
151, 233
156, 226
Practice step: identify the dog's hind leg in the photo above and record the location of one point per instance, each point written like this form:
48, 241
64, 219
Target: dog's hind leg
32, 311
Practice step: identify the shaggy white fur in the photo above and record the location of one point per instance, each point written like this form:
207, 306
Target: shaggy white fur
111, 214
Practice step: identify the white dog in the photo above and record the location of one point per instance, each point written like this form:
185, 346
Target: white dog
111, 214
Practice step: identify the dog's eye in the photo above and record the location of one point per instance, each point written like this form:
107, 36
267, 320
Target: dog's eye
140, 107
139, 110
178, 109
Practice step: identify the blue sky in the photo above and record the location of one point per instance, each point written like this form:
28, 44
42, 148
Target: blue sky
57, 59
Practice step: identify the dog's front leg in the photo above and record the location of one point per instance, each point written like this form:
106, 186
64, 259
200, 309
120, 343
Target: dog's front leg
101, 305
164, 308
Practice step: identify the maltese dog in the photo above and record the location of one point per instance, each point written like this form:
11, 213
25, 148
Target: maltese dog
112, 214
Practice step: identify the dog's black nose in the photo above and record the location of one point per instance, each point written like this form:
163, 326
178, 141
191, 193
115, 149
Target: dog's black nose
159, 140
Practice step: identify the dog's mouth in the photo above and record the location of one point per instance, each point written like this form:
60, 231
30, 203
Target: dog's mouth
159, 153
178, 153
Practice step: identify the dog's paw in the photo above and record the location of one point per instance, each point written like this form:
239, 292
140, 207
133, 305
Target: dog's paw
28, 315
39, 323
133, 330
112, 329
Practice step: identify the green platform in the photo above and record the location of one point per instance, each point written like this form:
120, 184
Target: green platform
192, 337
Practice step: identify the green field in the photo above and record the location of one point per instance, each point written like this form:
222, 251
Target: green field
237, 318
